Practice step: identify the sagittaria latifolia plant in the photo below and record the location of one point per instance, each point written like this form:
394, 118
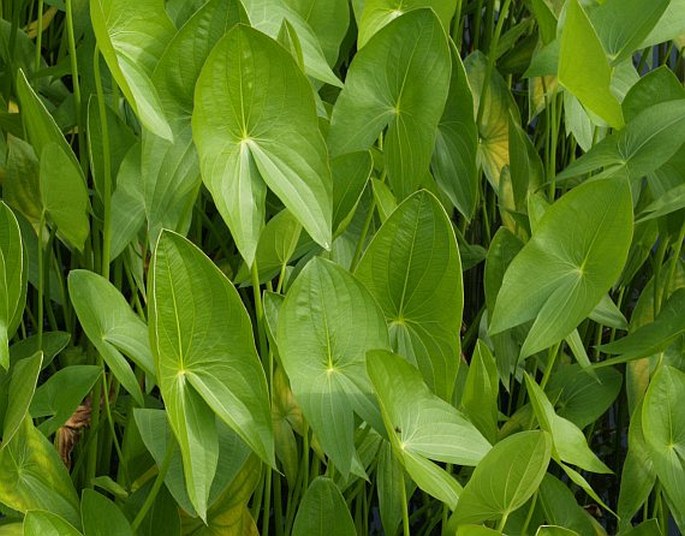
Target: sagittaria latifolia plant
320, 267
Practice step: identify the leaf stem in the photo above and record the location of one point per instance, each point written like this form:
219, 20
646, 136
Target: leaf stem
156, 486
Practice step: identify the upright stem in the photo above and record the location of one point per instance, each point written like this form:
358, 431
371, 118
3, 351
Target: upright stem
83, 154
405, 507
107, 171
39, 34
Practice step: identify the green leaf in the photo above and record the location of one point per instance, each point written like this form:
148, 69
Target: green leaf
323, 511
351, 173
379, 13
108, 321
400, 80
571, 261
326, 325
456, 143
622, 25
13, 280
267, 16
266, 134
480, 391
178, 69
33, 477
38, 123
22, 385
656, 336
53, 343
554, 530
328, 19
580, 399
584, 69
568, 440
389, 481
560, 507
671, 201
418, 422
412, 268
206, 359
61, 394
131, 36
64, 195
505, 479
670, 26
498, 106
663, 422
43, 523
101, 517
648, 141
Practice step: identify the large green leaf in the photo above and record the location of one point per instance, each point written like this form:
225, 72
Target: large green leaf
206, 360
32, 475
646, 143
326, 325
584, 68
13, 280
663, 422
22, 385
112, 327
505, 479
100, 516
575, 255
255, 125
456, 143
131, 36
671, 25
268, 15
323, 511
412, 268
419, 423
378, 13
569, 443
400, 79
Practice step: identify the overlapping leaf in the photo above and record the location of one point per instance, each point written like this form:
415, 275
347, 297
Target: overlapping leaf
266, 134
412, 268
326, 325
400, 80
572, 260
206, 361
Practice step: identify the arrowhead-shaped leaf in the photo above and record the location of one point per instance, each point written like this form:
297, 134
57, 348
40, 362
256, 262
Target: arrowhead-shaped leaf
255, 125
412, 268
399, 79
206, 360
326, 325
576, 254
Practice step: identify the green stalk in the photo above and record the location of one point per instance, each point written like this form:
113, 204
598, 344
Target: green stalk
39, 34
83, 155
492, 52
156, 486
405, 508
106, 157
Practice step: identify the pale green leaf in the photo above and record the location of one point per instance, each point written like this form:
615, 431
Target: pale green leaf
206, 360
266, 134
22, 385
584, 68
131, 36
569, 443
505, 479
44, 523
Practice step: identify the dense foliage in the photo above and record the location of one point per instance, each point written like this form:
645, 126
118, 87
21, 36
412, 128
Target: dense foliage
315, 267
